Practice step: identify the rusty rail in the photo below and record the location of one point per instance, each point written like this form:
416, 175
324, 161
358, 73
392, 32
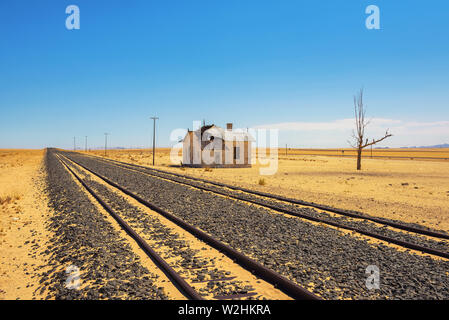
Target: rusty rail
401, 243
288, 287
352, 214
176, 279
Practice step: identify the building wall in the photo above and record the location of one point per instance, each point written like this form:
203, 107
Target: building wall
226, 154
187, 149
244, 153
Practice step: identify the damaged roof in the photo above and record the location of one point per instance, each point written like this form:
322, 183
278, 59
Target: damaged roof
227, 135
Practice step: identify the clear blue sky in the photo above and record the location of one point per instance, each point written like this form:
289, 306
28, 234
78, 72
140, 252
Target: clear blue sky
253, 63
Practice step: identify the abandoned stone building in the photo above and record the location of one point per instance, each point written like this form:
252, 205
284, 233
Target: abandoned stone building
215, 147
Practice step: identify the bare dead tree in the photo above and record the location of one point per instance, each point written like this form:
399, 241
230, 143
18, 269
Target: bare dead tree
359, 141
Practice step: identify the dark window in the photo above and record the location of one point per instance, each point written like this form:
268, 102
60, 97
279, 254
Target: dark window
236, 153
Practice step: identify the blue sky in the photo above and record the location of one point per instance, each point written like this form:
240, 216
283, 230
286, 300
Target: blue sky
292, 65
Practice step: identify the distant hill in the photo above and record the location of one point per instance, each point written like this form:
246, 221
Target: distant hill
444, 145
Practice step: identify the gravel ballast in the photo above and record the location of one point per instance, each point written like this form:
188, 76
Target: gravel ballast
108, 267
364, 225
188, 262
328, 262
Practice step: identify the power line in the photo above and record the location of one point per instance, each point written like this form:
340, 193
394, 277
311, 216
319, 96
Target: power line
105, 142
154, 135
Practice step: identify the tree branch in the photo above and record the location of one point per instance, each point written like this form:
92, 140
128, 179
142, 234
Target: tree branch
387, 135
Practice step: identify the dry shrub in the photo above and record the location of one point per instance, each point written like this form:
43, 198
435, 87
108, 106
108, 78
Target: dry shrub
5, 199
10, 198
207, 169
262, 182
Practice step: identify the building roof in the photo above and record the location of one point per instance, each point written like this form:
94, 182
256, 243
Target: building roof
227, 135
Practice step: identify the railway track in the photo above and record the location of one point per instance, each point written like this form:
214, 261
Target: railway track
185, 180
286, 286
351, 214
370, 157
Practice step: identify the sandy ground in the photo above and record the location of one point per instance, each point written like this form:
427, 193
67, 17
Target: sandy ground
408, 190
22, 216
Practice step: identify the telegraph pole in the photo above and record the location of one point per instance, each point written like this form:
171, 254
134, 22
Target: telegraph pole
154, 135
85, 149
105, 143
74, 144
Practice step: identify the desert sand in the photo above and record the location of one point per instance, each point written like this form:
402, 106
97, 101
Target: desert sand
22, 216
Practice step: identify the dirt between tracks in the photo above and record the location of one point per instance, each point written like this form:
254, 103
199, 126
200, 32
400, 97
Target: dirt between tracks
23, 211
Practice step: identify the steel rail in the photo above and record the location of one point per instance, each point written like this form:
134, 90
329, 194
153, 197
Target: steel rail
176, 279
280, 282
365, 156
401, 243
442, 150
353, 214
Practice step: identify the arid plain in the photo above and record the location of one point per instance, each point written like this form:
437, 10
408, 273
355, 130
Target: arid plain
409, 190
23, 210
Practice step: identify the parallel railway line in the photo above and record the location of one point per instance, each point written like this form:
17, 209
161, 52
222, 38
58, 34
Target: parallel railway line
281, 283
315, 256
399, 242
392, 157
351, 214
184, 287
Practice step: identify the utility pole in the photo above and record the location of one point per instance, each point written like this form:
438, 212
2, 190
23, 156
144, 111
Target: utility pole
85, 149
105, 143
74, 144
285, 149
154, 135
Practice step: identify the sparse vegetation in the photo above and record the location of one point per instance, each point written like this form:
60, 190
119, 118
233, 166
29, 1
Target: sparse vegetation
5, 199
262, 182
358, 136
207, 169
